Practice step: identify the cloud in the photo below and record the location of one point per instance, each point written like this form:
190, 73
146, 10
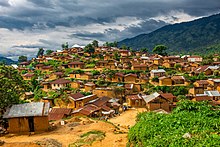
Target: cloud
26, 24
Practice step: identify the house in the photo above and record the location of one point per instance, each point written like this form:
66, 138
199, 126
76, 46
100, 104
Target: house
139, 67
39, 66
28, 117
59, 113
135, 100
46, 68
46, 86
177, 80
157, 73
172, 59
76, 65
168, 64
165, 81
214, 94
194, 59
152, 66
89, 86
60, 83
214, 82
157, 101
157, 61
130, 78
201, 83
100, 92
202, 97
124, 53
28, 76
78, 100
203, 69
89, 110
56, 75
85, 76
118, 77
196, 90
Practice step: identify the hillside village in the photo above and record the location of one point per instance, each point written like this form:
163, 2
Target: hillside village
107, 81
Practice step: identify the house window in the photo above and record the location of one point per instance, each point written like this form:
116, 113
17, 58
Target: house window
58, 85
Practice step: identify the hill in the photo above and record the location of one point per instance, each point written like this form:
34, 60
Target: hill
199, 36
7, 61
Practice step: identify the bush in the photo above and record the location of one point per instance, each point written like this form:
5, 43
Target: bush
198, 119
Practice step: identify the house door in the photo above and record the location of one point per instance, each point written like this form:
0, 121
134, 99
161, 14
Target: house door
31, 124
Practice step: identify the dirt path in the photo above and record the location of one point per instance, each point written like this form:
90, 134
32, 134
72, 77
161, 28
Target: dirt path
66, 134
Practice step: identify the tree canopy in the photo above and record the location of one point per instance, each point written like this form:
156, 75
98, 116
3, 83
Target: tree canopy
160, 50
22, 58
49, 52
40, 52
12, 86
95, 43
89, 49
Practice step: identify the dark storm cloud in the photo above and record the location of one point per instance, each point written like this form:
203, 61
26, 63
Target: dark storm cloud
4, 3
88, 36
71, 13
51, 22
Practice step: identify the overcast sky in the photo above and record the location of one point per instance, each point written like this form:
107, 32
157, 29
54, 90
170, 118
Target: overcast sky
26, 25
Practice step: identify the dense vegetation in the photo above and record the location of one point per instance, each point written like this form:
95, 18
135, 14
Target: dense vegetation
190, 124
12, 87
188, 37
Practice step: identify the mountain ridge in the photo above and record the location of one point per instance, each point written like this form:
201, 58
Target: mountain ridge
192, 36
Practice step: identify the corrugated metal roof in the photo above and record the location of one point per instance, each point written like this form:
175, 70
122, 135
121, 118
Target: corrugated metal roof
28, 110
148, 98
212, 93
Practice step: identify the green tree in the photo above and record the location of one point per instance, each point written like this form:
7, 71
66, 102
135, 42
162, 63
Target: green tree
95, 43
22, 58
40, 52
160, 50
116, 56
89, 49
49, 52
65, 45
124, 47
144, 50
12, 86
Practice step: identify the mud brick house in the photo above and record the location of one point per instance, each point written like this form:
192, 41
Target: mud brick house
196, 90
118, 77
157, 73
28, 117
178, 80
89, 86
214, 94
135, 100
165, 81
78, 100
60, 83
76, 65
59, 113
139, 67
39, 66
130, 78
194, 59
201, 83
28, 76
103, 92
203, 69
159, 101
214, 82
56, 75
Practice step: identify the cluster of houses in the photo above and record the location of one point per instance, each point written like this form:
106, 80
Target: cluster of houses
124, 89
